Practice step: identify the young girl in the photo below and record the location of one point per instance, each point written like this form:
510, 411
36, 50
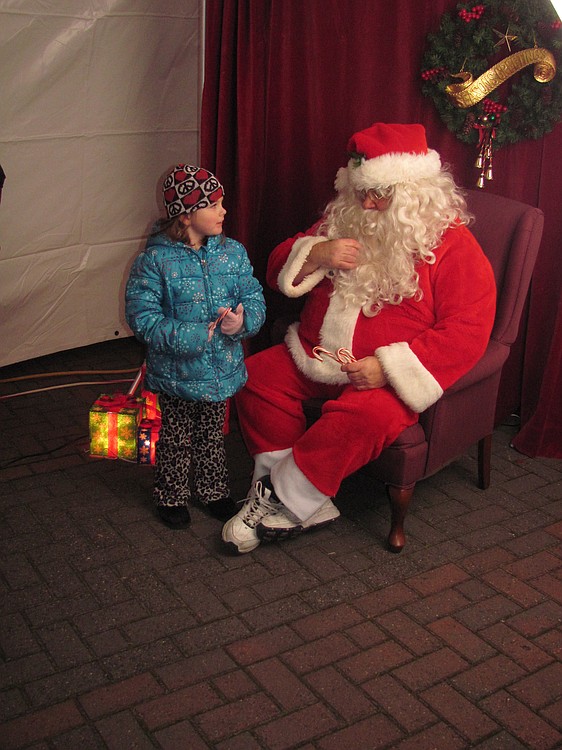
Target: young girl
191, 298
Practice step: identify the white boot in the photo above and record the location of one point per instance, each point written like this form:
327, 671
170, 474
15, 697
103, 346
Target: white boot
239, 533
264, 517
284, 524
264, 462
303, 506
295, 490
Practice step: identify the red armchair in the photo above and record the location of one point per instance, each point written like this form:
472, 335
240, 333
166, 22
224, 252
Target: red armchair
510, 234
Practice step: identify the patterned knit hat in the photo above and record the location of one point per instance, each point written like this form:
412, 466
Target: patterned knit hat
189, 188
386, 155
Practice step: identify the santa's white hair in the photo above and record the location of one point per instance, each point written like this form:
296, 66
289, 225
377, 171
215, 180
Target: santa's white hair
393, 241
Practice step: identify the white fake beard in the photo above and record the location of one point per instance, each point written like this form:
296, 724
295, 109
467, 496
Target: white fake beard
387, 272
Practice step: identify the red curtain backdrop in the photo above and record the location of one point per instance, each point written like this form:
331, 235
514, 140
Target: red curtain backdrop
288, 81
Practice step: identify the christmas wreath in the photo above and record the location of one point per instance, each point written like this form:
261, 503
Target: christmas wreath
477, 39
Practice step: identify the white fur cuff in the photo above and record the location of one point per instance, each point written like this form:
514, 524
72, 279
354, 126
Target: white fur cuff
326, 371
296, 260
413, 383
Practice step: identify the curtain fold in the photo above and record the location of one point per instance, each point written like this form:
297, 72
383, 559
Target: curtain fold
541, 434
287, 83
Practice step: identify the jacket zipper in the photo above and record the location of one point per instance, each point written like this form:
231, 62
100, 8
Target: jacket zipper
211, 312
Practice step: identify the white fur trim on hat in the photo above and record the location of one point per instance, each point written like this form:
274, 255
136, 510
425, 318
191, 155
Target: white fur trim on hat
293, 265
389, 169
413, 383
342, 179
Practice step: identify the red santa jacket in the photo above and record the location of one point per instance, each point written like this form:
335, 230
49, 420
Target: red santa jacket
423, 346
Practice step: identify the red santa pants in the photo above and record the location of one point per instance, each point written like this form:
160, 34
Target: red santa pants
355, 426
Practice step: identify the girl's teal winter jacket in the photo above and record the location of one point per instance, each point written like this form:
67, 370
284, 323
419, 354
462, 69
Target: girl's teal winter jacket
172, 295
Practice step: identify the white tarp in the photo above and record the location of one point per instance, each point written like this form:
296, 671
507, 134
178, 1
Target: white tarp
99, 98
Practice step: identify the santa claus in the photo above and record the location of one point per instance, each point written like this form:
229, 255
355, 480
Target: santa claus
400, 304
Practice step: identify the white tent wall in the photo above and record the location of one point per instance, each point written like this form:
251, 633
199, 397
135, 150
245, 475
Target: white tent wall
99, 99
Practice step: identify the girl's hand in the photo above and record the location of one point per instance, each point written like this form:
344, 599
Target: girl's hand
233, 321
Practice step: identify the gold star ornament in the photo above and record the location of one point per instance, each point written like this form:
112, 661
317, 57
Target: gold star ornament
506, 38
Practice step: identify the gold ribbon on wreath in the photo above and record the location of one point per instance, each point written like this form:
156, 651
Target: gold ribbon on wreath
471, 91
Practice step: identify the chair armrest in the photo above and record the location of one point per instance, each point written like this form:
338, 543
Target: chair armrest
491, 361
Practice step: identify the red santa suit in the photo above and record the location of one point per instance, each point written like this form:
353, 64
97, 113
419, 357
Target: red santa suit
424, 344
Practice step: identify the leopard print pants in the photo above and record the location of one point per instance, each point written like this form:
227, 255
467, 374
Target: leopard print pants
190, 445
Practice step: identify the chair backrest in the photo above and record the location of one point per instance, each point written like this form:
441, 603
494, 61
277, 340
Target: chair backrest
509, 233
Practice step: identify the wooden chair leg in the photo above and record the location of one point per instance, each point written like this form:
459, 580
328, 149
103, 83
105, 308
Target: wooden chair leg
484, 461
400, 498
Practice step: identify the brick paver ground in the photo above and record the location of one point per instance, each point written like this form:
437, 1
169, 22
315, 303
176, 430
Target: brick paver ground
116, 632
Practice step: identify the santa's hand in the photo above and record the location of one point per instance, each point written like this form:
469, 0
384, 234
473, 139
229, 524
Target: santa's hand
342, 253
233, 321
365, 374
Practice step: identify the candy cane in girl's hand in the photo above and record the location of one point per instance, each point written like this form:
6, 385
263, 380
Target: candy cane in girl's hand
217, 322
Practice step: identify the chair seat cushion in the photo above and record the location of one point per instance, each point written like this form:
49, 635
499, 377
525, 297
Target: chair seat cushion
403, 463
410, 437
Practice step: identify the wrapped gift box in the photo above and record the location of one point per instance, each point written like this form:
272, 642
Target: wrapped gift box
148, 433
114, 423
124, 426
151, 408
149, 428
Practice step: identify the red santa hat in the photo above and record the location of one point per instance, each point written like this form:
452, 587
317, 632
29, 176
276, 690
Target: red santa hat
188, 188
385, 155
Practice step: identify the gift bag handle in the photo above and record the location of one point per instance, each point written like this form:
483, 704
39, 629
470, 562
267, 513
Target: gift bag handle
139, 377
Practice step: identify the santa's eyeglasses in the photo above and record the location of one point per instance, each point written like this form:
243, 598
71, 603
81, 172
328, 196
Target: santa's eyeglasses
376, 194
